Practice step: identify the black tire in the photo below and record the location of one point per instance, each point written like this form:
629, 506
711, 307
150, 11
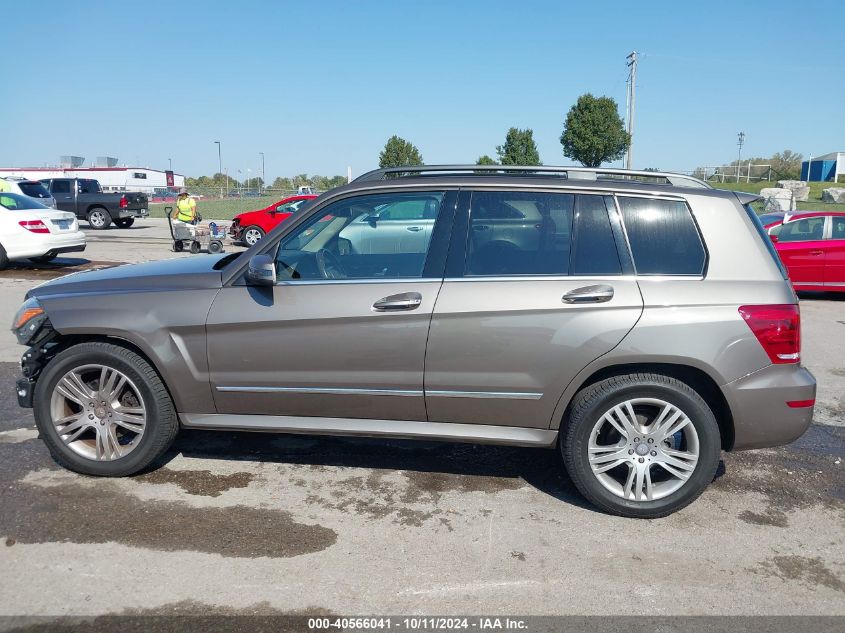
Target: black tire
591, 403
99, 219
178, 246
252, 231
215, 247
124, 223
195, 247
4, 259
162, 424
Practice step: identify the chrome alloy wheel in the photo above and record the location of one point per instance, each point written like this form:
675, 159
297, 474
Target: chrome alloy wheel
643, 449
97, 219
252, 236
98, 412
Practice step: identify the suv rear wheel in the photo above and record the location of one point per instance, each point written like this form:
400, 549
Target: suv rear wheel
103, 410
124, 223
641, 445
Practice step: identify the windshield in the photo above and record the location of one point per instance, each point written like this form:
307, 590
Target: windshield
34, 189
17, 202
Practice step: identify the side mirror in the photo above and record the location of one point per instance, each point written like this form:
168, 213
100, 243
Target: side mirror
774, 239
372, 220
261, 271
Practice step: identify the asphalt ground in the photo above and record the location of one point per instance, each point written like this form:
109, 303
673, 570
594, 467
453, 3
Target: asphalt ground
238, 523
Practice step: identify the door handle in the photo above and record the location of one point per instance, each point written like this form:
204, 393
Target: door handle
589, 294
414, 228
396, 303
816, 252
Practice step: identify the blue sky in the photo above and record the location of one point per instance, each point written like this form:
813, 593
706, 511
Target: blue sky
318, 86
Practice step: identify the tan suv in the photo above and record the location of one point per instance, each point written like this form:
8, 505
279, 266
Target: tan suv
638, 321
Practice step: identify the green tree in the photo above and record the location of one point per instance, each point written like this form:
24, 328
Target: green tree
398, 152
485, 160
519, 148
593, 132
787, 165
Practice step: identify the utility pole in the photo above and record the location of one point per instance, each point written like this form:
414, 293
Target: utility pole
170, 161
740, 140
632, 104
263, 176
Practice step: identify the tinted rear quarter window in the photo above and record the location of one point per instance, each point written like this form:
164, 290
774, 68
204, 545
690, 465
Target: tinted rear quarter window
34, 190
663, 237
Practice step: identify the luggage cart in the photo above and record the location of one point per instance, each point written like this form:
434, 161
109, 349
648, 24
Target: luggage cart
196, 237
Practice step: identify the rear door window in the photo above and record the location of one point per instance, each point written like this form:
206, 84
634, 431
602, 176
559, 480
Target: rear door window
663, 237
838, 228
803, 230
61, 186
539, 233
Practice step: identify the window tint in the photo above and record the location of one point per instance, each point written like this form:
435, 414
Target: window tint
519, 233
15, 202
761, 231
802, 230
34, 190
350, 240
838, 232
664, 239
88, 186
61, 186
595, 247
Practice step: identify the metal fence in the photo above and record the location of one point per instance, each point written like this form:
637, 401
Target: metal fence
746, 172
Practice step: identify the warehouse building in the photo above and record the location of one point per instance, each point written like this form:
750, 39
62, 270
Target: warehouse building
141, 179
826, 168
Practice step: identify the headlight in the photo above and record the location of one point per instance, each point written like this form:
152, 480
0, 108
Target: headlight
28, 320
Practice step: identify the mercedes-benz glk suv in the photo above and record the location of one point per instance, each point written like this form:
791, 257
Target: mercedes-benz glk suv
640, 323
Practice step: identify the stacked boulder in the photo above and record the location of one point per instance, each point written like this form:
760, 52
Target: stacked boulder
798, 187
777, 199
834, 194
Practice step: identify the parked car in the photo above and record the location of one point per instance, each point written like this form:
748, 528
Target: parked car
31, 230
812, 247
251, 226
85, 198
32, 188
649, 326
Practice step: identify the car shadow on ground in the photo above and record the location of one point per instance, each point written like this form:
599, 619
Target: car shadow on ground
823, 296
28, 269
489, 467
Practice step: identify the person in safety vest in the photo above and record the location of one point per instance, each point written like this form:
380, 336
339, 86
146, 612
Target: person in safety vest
186, 208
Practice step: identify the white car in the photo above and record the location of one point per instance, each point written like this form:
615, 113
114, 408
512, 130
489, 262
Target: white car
29, 230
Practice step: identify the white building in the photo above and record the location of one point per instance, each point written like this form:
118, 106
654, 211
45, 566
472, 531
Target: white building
111, 178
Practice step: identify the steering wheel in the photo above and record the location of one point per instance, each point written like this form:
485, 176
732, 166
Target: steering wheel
329, 265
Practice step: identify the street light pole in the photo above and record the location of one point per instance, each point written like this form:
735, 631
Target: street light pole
740, 141
170, 162
220, 167
263, 176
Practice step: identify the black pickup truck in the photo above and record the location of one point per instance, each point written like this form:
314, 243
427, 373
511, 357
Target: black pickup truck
86, 199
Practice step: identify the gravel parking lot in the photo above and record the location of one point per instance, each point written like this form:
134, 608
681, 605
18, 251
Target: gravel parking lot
253, 523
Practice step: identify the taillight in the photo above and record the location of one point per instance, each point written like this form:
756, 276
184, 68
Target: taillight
778, 328
123, 202
35, 226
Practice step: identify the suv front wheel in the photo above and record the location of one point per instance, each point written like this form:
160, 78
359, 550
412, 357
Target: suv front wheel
640, 445
103, 410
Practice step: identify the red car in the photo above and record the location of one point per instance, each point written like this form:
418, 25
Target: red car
251, 226
811, 245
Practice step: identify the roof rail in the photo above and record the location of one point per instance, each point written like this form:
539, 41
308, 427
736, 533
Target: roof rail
571, 173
